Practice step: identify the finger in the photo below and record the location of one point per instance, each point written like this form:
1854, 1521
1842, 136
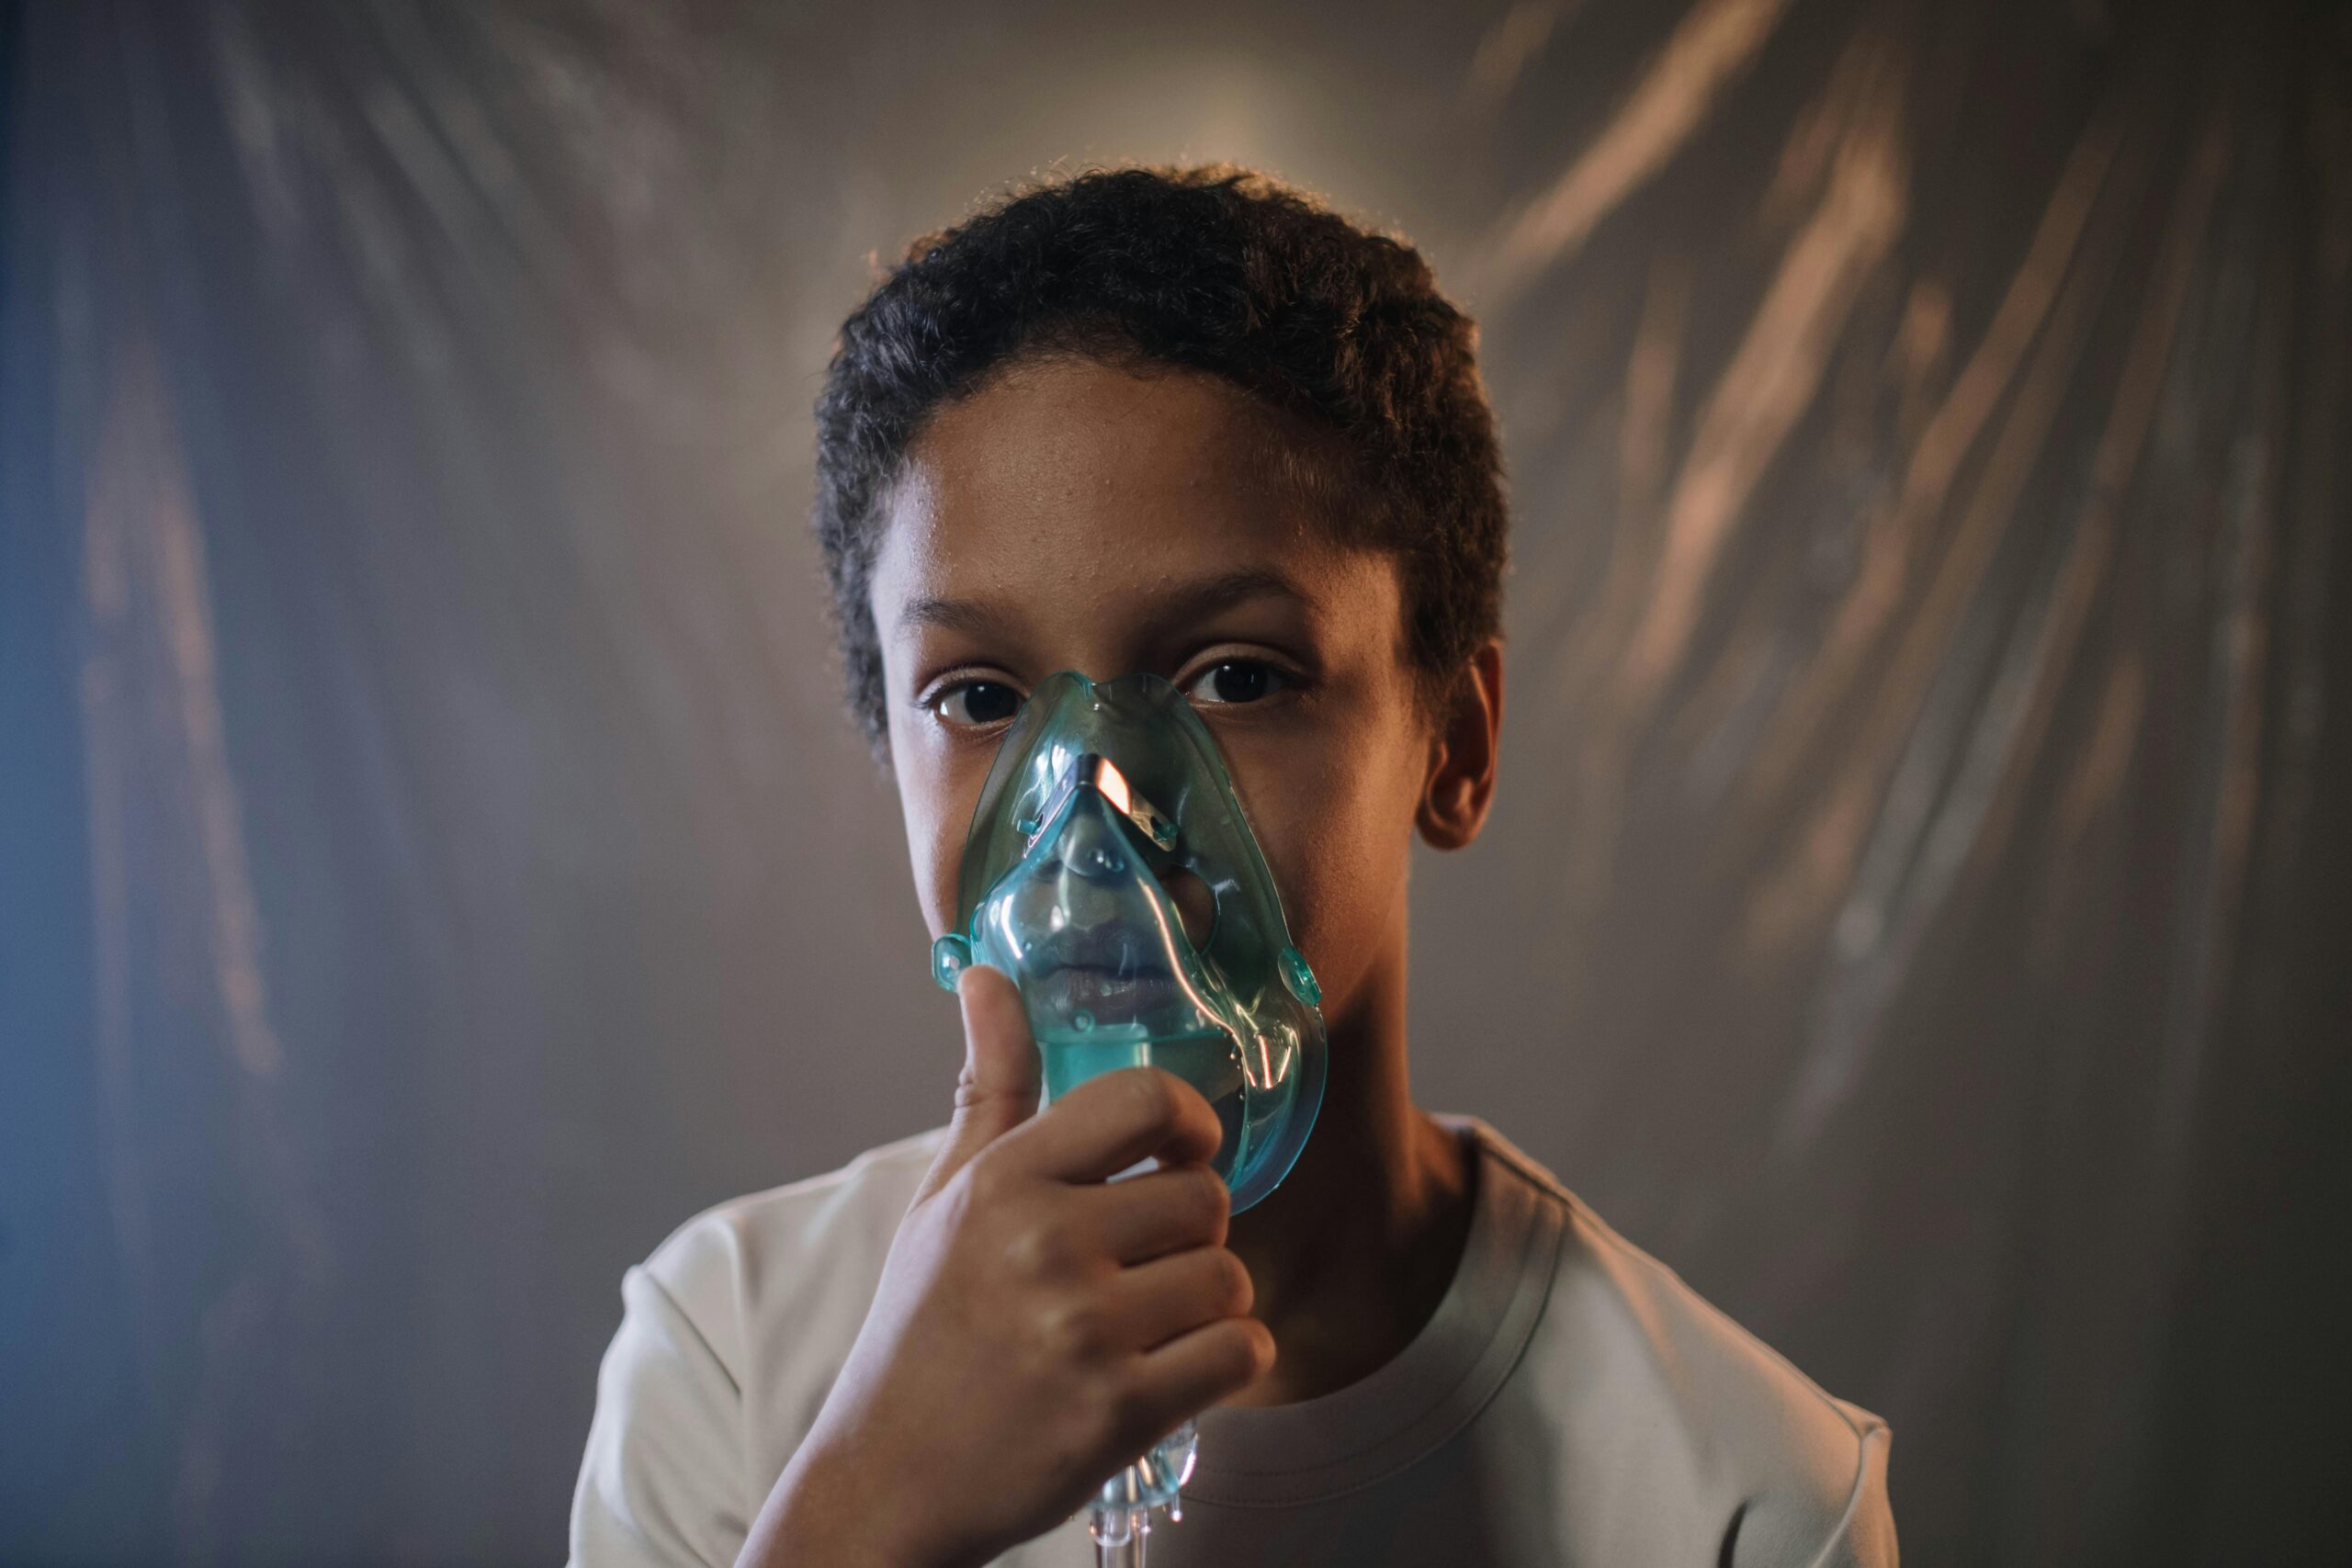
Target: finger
997, 1089
1106, 1124
1154, 1303
1193, 1370
1169, 1210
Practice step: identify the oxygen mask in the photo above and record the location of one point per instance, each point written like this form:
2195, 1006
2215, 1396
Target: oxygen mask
1106, 827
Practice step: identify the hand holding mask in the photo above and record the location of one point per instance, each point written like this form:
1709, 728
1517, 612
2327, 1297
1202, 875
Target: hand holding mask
1104, 803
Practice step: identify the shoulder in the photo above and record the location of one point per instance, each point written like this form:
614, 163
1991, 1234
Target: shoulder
807, 1254
731, 1333
1798, 1474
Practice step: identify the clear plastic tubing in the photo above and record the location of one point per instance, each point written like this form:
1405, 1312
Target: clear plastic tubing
1120, 1517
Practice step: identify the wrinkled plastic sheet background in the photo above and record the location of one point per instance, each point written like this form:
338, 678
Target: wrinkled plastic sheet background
434, 865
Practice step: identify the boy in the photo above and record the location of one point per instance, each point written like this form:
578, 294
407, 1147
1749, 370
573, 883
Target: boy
1189, 422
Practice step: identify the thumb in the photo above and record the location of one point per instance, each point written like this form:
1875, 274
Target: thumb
997, 1089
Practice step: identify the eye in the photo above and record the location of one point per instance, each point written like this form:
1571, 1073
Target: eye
968, 705
1235, 681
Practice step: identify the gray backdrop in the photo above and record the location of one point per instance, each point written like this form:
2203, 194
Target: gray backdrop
433, 865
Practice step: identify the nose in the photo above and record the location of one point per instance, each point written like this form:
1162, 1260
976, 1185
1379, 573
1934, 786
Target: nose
1094, 771
1092, 847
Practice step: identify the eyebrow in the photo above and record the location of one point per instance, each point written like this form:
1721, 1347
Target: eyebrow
1199, 600
1189, 602
955, 614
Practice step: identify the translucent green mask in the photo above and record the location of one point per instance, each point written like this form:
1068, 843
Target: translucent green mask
1101, 798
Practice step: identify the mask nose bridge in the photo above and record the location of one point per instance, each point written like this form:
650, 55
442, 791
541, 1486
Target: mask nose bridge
1096, 830
1094, 773
1085, 839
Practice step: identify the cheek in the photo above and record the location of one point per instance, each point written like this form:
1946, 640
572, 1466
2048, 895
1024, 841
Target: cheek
935, 820
1353, 856
936, 860
1337, 833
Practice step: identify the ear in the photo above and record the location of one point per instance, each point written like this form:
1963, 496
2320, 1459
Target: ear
1463, 754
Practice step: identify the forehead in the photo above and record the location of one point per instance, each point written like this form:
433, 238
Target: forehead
1088, 476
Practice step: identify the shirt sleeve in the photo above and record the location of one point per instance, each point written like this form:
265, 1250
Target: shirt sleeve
1832, 1519
1864, 1536
659, 1485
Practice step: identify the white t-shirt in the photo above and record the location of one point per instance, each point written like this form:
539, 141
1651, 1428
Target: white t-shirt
1571, 1401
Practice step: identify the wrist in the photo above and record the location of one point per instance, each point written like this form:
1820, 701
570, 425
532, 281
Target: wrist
830, 1508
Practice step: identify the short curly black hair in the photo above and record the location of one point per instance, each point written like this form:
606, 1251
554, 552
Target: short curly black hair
1216, 269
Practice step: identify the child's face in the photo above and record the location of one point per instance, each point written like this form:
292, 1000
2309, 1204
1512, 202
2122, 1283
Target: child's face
1077, 516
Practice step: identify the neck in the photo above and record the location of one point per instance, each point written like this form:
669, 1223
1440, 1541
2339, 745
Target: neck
1352, 1253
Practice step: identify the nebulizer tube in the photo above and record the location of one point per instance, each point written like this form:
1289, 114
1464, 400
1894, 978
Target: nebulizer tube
1102, 798
1120, 1517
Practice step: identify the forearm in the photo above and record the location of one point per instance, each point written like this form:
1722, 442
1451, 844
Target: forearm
826, 1511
